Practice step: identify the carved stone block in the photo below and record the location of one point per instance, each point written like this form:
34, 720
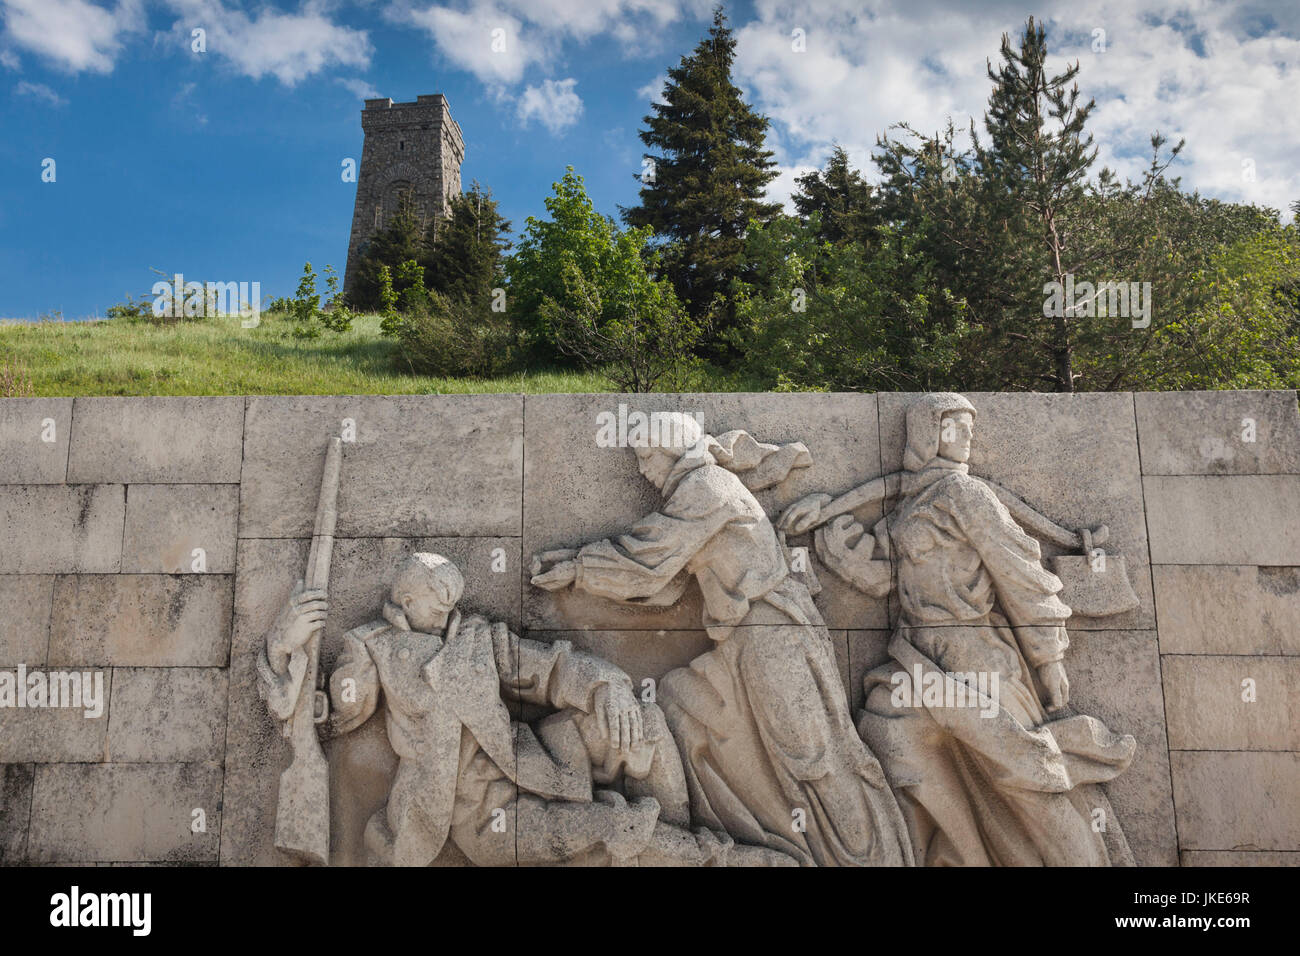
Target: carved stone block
141, 620
1228, 609
124, 812
34, 435
61, 528
192, 439
1218, 433
180, 529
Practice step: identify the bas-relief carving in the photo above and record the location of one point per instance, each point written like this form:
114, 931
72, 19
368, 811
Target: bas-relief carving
965, 753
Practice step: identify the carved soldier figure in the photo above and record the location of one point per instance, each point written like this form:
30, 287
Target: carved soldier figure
762, 720
463, 762
1019, 788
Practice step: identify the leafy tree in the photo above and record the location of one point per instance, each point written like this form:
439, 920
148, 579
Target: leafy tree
638, 347
828, 317
706, 178
611, 261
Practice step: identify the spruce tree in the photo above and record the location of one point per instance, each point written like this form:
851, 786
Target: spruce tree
705, 179
398, 242
465, 250
1037, 164
841, 197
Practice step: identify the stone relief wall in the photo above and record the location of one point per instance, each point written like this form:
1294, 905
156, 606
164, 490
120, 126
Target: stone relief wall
151, 547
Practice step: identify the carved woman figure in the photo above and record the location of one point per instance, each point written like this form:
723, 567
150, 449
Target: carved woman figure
761, 720
982, 775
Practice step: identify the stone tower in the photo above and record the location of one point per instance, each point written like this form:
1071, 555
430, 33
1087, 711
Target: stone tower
411, 149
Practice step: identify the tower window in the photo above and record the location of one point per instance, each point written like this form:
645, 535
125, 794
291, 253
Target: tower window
401, 144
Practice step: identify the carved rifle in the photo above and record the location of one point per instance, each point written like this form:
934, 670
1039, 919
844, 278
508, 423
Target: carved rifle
302, 818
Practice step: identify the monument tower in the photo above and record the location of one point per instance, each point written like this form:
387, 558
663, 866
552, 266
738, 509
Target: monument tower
412, 150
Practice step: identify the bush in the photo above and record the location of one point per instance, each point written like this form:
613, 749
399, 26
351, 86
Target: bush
444, 334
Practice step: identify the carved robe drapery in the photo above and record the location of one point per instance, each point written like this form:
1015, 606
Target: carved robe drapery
762, 722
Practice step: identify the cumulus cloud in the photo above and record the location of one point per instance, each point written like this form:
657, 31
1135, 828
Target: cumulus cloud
554, 104
1222, 75
39, 91
73, 35
288, 46
499, 41
361, 89
9, 60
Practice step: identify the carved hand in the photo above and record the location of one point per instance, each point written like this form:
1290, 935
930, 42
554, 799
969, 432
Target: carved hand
559, 575
803, 514
302, 618
618, 715
1057, 685
545, 562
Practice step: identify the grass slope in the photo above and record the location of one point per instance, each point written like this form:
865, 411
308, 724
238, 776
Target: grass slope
217, 357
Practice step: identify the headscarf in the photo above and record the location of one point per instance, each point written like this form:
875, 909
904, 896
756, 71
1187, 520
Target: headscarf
924, 428
757, 464
924, 420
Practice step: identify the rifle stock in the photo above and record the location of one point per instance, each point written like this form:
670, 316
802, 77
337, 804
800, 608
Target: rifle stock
302, 808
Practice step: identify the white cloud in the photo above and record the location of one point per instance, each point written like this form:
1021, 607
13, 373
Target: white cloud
288, 46
499, 40
71, 34
1222, 75
361, 89
9, 60
654, 90
554, 104
39, 91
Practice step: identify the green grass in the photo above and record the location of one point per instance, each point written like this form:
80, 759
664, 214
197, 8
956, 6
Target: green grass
215, 356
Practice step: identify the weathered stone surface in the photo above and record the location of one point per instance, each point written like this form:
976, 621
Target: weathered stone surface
1115, 676
56, 528
1237, 801
124, 812
576, 491
192, 439
641, 655
1242, 519
26, 456
1239, 858
166, 523
866, 649
1228, 609
167, 715
141, 620
59, 734
1073, 458
15, 806
1206, 710
420, 466
1208, 433
25, 618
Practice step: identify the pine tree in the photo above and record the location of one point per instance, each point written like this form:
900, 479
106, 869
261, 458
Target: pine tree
706, 180
398, 242
1037, 163
841, 197
465, 251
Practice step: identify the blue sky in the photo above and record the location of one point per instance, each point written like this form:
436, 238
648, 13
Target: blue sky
224, 165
